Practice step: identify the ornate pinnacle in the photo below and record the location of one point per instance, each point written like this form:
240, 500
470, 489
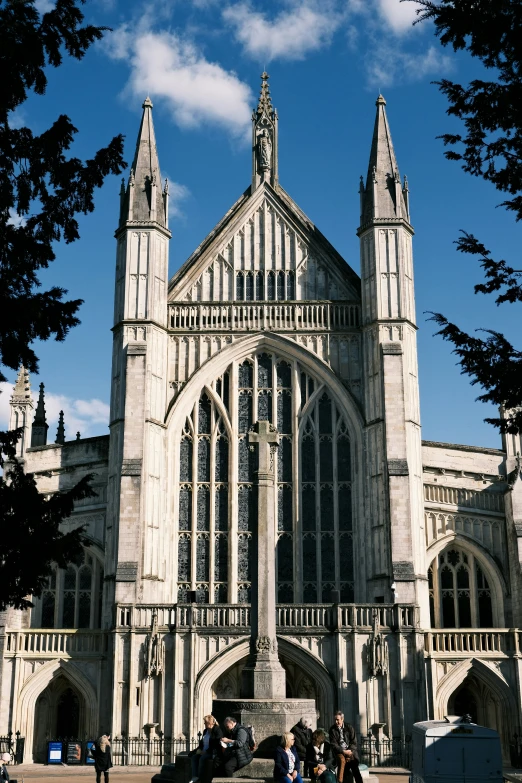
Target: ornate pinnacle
22, 387
60, 432
265, 101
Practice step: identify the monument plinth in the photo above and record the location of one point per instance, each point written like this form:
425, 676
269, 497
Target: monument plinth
263, 702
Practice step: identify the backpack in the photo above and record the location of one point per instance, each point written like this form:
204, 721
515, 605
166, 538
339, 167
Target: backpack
252, 744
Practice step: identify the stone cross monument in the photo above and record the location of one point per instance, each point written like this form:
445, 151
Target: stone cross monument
263, 675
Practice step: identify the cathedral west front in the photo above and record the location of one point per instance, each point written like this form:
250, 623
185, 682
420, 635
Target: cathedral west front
396, 562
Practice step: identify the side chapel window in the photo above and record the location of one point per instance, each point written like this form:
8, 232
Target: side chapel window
72, 597
460, 594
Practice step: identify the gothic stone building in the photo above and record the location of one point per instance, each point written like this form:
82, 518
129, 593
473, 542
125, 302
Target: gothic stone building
397, 561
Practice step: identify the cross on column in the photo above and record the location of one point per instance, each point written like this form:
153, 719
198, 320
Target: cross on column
263, 675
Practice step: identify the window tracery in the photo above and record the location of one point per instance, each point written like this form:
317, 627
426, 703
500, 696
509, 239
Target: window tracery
460, 594
72, 597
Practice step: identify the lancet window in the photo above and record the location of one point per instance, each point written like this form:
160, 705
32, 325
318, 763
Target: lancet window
252, 286
203, 503
326, 499
72, 597
217, 501
460, 593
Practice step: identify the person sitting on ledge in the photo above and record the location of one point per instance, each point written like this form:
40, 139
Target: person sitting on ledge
207, 749
236, 749
320, 759
303, 736
286, 761
344, 744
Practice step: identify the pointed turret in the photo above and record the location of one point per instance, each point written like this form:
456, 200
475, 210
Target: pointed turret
60, 432
383, 196
21, 405
143, 199
264, 138
40, 426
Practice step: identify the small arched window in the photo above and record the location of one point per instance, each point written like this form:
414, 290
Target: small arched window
270, 283
249, 287
240, 287
460, 594
260, 287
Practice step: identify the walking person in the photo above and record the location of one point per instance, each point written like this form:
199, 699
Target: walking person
344, 744
286, 761
4, 774
207, 749
101, 752
320, 760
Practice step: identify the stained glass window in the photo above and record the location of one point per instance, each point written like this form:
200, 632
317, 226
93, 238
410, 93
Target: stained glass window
326, 458
270, 286
345, 508
245, 507
308, 495
204, 459
280, 285
243, 594
244, 411
245, 375
185, 508
285, 558
284, 508
264, 406
325, 415
221, 508
308, 459
221, 459
309, 557
260, 287
284, 460
204, 415
203, 509
84, 609
284, 375
284, 411
244, 558
264, 371
343, 459
185, 460
327, 557
247, 460
184, 558
221, 594
240, 286
221, 558
456, 600
202, 570
48, 604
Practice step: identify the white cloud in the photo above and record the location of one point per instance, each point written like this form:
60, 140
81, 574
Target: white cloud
400, 16
89, 417
389, 65
15, 219
196, 90
178, 193
44, 6
291, 35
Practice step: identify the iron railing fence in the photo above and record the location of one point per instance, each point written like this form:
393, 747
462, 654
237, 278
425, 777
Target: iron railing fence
145, 751
14, 744
385, 752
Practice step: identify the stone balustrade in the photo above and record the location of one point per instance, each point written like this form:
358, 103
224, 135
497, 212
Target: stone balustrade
56, 643
280, 316
494, 642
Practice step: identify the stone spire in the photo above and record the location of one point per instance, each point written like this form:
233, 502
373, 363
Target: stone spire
60, 432
21, 408
143, 199
383, 197
264, 138
40, 426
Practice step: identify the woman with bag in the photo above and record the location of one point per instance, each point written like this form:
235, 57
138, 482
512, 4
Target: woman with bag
320, 759
286, 761
207, 748
101, 752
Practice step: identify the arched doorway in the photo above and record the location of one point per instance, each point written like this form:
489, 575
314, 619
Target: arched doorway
59, 712
474, 697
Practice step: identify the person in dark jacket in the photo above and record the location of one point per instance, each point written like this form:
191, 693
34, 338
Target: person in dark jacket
344, 744
102, 757
320, 761
303, 736
4, 774
286, 761
236, 749
208, 747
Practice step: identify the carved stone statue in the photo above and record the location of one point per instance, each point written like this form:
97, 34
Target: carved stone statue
377, 651
154, 650
265, 149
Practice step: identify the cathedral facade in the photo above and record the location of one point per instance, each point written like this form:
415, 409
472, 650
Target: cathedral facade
397, 561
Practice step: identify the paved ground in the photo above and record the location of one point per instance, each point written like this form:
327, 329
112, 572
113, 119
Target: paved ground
63, 774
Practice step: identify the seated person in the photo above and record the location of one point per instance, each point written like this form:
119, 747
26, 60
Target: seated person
208, 747
236, 749
344, 744
303, 736
320, 760
286, 761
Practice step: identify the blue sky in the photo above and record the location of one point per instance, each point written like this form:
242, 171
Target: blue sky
200, 60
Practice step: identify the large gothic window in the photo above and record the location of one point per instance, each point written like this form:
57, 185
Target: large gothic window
203, 505
460, 594
72, 597
326, 500
217, 502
